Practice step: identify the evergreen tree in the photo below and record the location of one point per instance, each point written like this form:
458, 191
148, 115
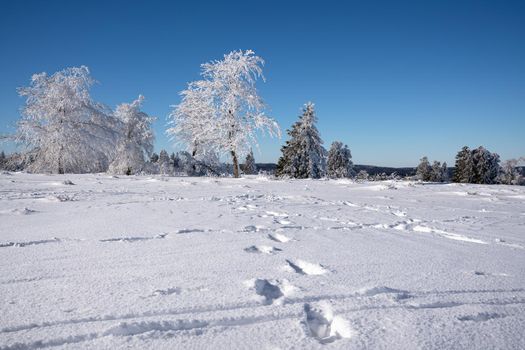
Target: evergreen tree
154, 157
2, 160
339, 162
303, 154
444, 172
464, 168
436, 172
164, 163
249, 164
174, 161
424, 170
486, 166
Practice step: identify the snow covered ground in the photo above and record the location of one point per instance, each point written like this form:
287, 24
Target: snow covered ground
195, 263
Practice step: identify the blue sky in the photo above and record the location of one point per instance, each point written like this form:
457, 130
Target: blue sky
395, 80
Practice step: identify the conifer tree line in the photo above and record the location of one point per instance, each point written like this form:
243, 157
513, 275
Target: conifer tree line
477, 166
63, 130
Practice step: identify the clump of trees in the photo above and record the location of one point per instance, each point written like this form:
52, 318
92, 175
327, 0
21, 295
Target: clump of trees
339, 164
479, 166
303, 155
436, 172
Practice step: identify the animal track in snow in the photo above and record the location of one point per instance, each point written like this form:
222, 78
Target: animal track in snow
264, 249
273, 291
167, 291
133, 239
322, 324
28, 243
254, 228
279, 237
480, 317
306, 268
25, 211
276, 214
415, 225
190, 230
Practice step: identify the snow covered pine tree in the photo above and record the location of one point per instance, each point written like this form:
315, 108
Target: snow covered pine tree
303, 154
136, 138
223, 112
339, 162
62, 128
463, 172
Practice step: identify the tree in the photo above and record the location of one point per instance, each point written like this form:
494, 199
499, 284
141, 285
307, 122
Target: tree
464, 168
362, 175
2, 160
444, 172
154, 158
303, 154
249, 164
136, 138
175, 161
223, 111
62, 127
509, 174
164, 163
339, 162
436, 172
424, 170
486, 166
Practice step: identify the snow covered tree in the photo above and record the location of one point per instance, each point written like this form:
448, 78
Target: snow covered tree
249, 164
62, 127
164, 163
303, 154
154, 158
424, 170
509, 174
136, 138
486, 166
223, 112
464, 168
362, 175
339, 162
444, 172
193, 122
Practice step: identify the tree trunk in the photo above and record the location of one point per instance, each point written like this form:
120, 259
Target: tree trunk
235, 164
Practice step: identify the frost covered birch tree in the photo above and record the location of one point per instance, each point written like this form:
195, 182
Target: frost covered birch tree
136, 138
63, 129
223, 112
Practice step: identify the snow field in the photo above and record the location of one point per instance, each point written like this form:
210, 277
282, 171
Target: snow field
153, 262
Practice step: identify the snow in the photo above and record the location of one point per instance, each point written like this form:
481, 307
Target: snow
96, 261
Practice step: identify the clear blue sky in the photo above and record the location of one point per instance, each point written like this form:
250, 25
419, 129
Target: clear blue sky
395, 80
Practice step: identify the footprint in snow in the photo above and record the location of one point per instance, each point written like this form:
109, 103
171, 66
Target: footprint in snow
321, 323
264, 249
277, 237
306, 268
167, 291
273, 291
